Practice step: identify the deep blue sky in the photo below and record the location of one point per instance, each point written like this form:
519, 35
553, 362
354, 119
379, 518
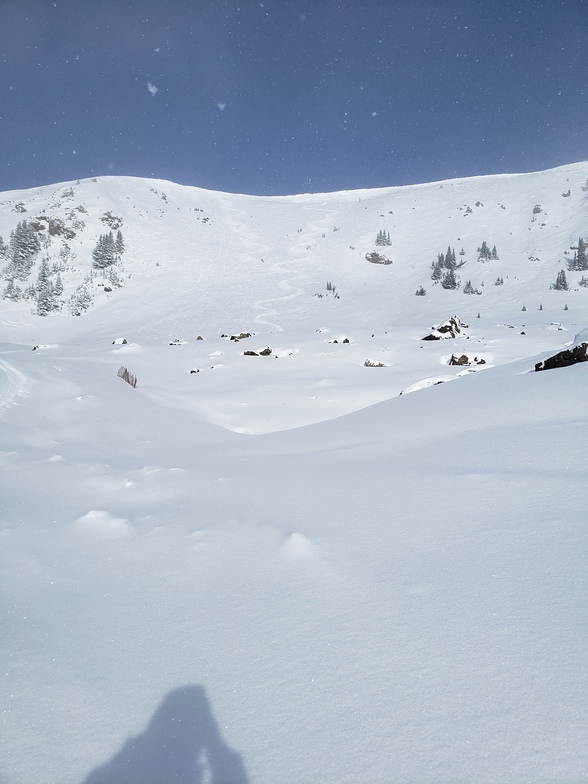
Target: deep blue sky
285, 96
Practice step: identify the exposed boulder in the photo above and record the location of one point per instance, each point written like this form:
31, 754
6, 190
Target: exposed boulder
264, 353
464, 359
377, 258
241, 336
451, 328
565, 358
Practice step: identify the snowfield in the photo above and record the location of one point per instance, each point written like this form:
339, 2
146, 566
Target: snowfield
275, 568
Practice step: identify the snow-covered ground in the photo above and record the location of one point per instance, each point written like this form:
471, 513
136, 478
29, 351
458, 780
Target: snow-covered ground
279, 569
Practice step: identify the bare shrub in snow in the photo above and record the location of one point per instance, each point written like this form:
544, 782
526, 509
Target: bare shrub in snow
124, 373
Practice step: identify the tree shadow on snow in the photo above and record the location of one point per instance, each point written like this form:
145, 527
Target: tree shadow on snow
182, 744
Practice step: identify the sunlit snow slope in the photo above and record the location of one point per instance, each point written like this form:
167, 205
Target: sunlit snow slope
197, 589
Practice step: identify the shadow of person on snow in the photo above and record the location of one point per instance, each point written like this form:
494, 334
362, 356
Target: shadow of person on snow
182, 744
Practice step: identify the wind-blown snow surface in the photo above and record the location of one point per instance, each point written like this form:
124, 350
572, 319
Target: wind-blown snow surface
251, 574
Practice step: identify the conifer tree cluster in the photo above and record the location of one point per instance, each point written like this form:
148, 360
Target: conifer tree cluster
21, 251
47, 291
108, 250
469, 289
561, 283
383, 238
444, 269
580, 260
485, 254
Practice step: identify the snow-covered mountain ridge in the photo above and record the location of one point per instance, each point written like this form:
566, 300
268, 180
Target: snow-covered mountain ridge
293, 272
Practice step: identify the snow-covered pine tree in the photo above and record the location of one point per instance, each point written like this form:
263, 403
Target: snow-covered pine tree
580, 261
23, 247
119, 243
383, 238
58, 286
484, 252
450, 260
81, 299
3, 249
12, 292
450, 281
45, 292
561, 283
104, 254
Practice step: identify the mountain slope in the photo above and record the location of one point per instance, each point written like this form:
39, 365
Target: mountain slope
385, 595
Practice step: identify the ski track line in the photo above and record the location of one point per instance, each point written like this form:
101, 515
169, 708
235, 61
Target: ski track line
16, 385
303, 254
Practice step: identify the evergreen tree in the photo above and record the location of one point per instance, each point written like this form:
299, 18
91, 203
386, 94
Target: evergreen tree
450, 261
561, 283
81, 299
30, 292
436, 271
104, 254
58, 286
449, 280
45, 292
580, 261
484, 252
23, 247
420, 292
12, 292
469, 289
119, 244
494, 253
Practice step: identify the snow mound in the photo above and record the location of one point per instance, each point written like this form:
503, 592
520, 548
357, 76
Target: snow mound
101, 523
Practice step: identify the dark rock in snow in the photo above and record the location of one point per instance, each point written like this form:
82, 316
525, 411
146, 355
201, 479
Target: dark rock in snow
451, 328
565, 358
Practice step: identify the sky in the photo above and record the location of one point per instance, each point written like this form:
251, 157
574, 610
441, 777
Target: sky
280, 97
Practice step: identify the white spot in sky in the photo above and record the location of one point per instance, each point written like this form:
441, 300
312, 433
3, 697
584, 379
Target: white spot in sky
152, 88
221, 106
157, 49
374, 114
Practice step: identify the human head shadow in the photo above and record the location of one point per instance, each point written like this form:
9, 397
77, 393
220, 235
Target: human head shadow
182, 744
